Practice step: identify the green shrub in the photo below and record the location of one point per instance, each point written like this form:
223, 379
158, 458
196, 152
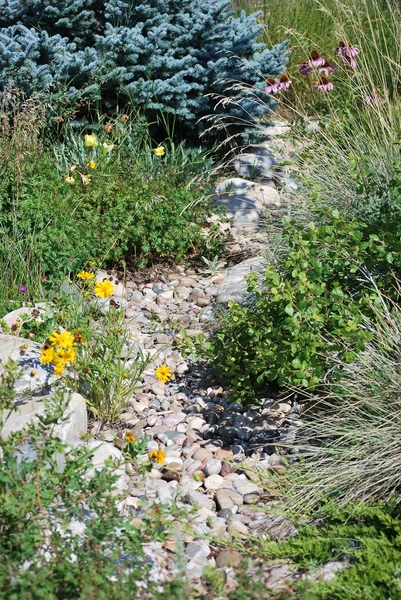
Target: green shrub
62, 536
120, 214
309, 308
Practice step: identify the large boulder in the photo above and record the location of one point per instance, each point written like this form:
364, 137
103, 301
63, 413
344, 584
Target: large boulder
33, 388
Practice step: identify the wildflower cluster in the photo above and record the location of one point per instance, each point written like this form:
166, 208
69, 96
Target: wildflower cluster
60, 350
101, 289
92, 142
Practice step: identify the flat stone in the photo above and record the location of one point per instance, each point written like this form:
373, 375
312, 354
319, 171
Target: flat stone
234, 286
256, 162
249, 491
195, 497
228, 498
213, 482
229, 558
238, 530
174, 419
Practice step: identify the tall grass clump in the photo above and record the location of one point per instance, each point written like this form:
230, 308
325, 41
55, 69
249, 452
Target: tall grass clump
352, 439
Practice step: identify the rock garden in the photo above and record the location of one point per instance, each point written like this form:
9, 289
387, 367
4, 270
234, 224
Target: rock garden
199, 301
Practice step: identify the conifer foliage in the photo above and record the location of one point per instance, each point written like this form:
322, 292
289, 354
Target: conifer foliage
159, 54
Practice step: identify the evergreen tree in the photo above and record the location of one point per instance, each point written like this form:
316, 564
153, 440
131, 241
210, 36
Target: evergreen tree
160, 54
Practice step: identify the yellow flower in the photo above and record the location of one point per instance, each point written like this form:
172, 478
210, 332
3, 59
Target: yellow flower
107, 147
59, 368
86, 179
91, 141
91, 164
159, 151
46, 355
64, 339
33, 373
85, 275
65, 356
157, 456
130, 437
163, 373
104, 289
70, 180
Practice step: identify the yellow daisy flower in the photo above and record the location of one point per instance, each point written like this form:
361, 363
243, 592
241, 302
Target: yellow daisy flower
59, 368
46, 355
157, 456
91, 164
159, 151
104, 289
163, 373
91, 141
64, 339
69, 180
130, 437
85, 275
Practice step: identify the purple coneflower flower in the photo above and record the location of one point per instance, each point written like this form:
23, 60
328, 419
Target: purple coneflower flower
349, 62
304, 69
272, 86
22, 288
315, 60
324, 84
346, 50
327, 68
284, 82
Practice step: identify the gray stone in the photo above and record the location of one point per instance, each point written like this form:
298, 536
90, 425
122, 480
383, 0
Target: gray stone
234, 286
212, 467
174, 419
103, 451
238, 530
245, 201
228, 498
256, 162
195, 497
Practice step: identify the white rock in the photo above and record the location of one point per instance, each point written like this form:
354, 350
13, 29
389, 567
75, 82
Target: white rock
212, 467
213, 482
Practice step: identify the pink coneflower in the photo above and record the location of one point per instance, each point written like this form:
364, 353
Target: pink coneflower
327, 68
272, 86
284, 82
346, 50
315, 60
324, 84
349, 62
304, 69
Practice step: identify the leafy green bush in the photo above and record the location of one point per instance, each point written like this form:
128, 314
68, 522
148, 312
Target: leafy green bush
309, 308
62, 536
119, 214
